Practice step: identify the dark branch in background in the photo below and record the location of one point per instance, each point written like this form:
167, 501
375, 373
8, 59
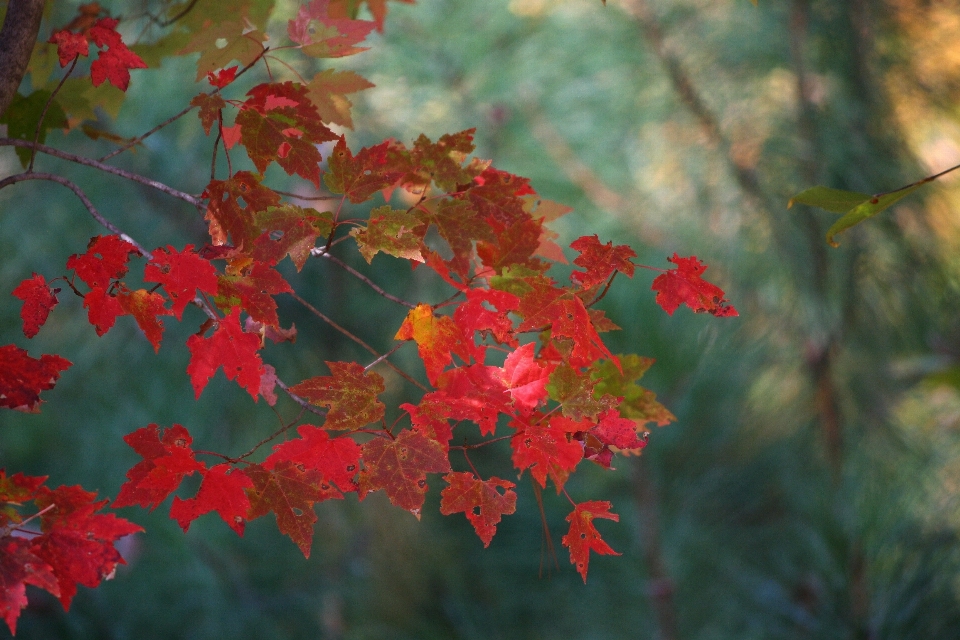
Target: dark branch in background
17, 39
159, 186
320, 251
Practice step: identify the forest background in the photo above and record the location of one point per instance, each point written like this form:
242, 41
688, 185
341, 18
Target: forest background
808, 488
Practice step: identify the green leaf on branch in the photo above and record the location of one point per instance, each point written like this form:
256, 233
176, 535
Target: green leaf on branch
22, 118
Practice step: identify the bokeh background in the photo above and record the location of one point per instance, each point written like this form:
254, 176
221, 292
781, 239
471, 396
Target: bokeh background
809, 487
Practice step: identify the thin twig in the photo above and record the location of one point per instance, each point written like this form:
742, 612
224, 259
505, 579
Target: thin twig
308, 198
43, 114
320, 251
51, 177
96, 164
300, 401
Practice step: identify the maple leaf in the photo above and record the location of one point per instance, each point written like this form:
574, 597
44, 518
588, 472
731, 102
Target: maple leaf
167, 459
105, 260
547, 449
497, 196
400, 467
441, 162
69, 45
525, 378
77, 542
574, 391
474, 314
430, 418
145, 306
253, 291
327, 91
323, 36
458, 223
584, 537
437, 338
23, 121
359, 177
350, 394
618, 432
38, 299
278, 123
476, 393
337, 459
222, 78
115, 61
223, 490
289, 230
636, 403
182, 274
102, 309
22, 378
230, 348
514, 245
238, 43
480, 500
210, 109
683, 285
290, 493
600, 260
232, 208
20, 566
395, 232
348, 8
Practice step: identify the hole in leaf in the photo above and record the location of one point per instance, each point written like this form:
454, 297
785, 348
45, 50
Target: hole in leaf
221, 43
297, 512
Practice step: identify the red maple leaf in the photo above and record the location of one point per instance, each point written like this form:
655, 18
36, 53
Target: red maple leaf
233, 205
457, 222
547, 449
69, 45
223, 490
182, 274
620, 432
115, 61
167, 459
475, 314
476, 393
289, 230
525, 378
22, 378
102, 309
350, 394
683, 285
359, 177
584, 537
223, 77
38, 299
211, 107
400, 467
229, 347
290, 493
515, 244
105, 260
437, 338
498, 196
600, 260
441, 162
323, 35
337, 459
77, 542
20, 566
480, 500
395, 232
145, 306
253, 291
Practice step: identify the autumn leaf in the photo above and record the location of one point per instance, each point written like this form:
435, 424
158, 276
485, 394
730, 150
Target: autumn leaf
583, 536
525, 378
69, 45
253, 291
210, 109
22, 378
233, 207
223, 490
105, 260
395, 232
328, 90
182, 274
115, 60
476, 392
400, 467
102, 308
683, 285
476, 315
290, 493
230, 348
289, 230
20, 566
636, 403
480, 500
497, 196
619, 432
359, 177
441, 162
600, 261
38, 299
321, 35
437, 338
574, 391
222, 78
167, 459
337, 459
238, 43
350, 394
547, 449
145, 306
458, 223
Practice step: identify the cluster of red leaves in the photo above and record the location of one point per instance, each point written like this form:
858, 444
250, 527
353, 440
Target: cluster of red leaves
72, 545
512, 351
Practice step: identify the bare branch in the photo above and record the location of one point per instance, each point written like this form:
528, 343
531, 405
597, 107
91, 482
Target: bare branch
320, 251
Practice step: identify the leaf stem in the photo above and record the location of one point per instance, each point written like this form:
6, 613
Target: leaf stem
43, 114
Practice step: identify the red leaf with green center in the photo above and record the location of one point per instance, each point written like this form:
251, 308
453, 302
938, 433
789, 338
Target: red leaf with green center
253, 291
400, 467
182, 274
525, 378
337, 459
684, 285
584, 537
232, 208
480, 500
600, 260
290, 230
145, 306
290, 493
77, 542
223, 490
210, 108
38, 299
437, 338
105, 260
20, 566
102, 309
280, 116
114, 60
395, 232
441, 162
547, 449
230, 348
475, 314
167, 459
350, 394
359, 177
328, 90
574, 391
22, 378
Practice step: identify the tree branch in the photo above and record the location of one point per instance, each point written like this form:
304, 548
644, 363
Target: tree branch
17, 38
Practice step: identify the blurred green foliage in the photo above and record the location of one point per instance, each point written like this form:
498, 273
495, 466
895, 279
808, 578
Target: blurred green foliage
809, 486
